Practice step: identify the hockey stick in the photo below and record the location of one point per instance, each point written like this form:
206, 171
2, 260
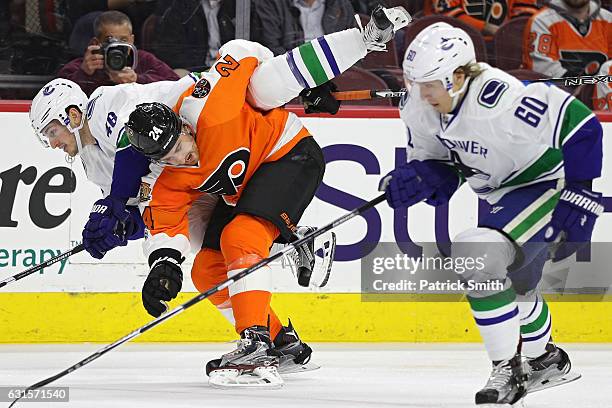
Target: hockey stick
368, 94
578, 80
208, 293
389, 93
40, 266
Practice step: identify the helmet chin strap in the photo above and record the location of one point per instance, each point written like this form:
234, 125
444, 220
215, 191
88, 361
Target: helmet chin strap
458, 94
77, 134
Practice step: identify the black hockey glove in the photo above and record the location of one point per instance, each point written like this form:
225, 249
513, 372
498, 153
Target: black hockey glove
320, 99
164, 282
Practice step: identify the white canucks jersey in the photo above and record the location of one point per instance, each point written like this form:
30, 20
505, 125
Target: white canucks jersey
108, 109
502, 135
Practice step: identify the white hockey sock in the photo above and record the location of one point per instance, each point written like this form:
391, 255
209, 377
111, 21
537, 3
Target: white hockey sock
307, 66
317, 61
496, 316
535, 324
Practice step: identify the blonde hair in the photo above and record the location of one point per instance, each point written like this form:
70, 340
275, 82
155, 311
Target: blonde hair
470, 70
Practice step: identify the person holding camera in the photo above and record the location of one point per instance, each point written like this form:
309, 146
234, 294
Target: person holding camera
111, 58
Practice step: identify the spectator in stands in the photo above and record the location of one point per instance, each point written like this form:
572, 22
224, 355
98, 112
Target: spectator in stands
91, 71
284, 24
189, 33
136, 10
484, 15
569, 38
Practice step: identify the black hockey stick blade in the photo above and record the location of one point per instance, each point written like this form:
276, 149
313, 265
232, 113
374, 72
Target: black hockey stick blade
312, 235
42, 265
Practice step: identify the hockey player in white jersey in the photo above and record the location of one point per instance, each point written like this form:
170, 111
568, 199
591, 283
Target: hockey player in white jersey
531, 152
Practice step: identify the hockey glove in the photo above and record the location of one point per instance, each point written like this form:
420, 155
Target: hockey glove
320, 99
573, 220
416, 181
109, 225
164, 282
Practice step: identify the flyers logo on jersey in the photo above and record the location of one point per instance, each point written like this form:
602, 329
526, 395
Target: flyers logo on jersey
229, 175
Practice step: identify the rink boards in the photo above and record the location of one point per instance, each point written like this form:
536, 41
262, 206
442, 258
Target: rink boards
42, 213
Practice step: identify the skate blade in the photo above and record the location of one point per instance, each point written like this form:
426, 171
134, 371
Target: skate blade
322, 269
292, 368
564, 379
518, 404
260, 377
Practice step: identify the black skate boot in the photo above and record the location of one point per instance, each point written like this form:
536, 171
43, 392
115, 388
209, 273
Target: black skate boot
505, 386
250, 365
294, 355
549, 370
383, 25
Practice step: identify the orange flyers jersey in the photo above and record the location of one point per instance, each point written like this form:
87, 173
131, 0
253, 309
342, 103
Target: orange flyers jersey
478, 12
603, 91
233, 139
553, 46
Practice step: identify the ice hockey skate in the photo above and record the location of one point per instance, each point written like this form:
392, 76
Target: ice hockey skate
293, 354
311, 262
249, 366
383, 25
505, 386
549, 370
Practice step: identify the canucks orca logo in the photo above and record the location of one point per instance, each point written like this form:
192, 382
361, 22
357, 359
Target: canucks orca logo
446, 45
229, 175
491, 92
48, 90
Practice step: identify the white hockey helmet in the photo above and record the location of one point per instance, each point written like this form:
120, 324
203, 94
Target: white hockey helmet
52, 102
435, 54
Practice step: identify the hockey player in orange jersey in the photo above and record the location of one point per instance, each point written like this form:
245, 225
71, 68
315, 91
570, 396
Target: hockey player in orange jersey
226, 136
568, 38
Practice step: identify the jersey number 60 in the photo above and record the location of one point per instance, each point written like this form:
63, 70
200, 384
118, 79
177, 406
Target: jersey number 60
530, 111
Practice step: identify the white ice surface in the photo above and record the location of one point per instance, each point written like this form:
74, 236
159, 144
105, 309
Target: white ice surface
352, 375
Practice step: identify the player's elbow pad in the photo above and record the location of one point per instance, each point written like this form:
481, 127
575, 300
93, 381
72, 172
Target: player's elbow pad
583, 152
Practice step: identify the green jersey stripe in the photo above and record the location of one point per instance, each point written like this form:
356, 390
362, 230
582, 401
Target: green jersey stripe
575, 115
538, 323
550, 159
492, 302
123, 140
312, 63
534, 217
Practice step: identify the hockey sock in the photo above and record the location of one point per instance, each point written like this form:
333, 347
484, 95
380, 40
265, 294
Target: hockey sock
275, 324
535, 324
317, 61
496, 316
251, 308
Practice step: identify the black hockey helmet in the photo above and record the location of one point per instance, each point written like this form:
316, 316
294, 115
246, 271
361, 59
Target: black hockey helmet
153, 129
